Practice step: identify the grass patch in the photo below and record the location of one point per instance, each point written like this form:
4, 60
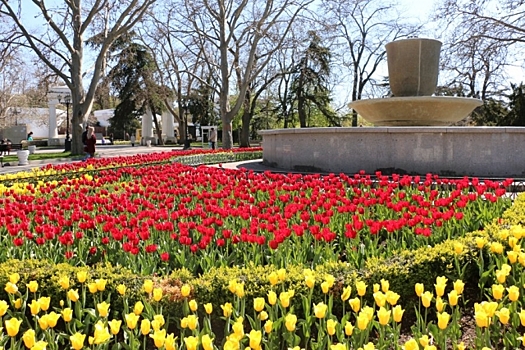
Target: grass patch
41, 156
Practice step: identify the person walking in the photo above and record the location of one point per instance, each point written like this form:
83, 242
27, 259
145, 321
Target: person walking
30, 136
213, 138
91, 141
132, 139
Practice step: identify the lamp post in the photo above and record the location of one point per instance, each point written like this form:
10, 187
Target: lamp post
185, 105
66, 101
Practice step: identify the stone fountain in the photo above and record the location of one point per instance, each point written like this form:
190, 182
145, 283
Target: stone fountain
411, 133
413, 66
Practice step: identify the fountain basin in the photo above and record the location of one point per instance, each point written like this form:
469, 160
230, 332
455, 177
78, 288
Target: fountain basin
415, 111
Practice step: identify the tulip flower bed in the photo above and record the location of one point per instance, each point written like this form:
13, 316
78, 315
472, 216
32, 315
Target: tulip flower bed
154, 217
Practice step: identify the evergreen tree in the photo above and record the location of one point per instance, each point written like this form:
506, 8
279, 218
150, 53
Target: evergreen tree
310, 79
134, 79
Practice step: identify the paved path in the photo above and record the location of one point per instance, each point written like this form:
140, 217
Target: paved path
116, 151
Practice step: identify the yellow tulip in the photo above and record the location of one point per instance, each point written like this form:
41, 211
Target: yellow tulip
272, 298
29, 338
310, 281
103, 309
331, 326
362, 321
17, 304
346, 293
131, 320
289, 321
32, 286
439, 304
482, 319
12, 326
42, 322
263, 316
501, 276
64, 282
160, 319
355, 304
34, 307
459, 286
453, 298
320, 310
426, 299
185, 290
522, 317
44, 302
77, 341
255, 339
349, 329
145, 326
11, 288
411, 344
380, 299
503, 234
169, 342
385, 285
430, 347
514, 293
284, 297
338, 346
458, 248
369, 346
208, 308
273, 278
503, 315
490, 307
281, 274
92, 287
207, 342
480, 242
159, 338
513, 256
424, 341
3, 307
82, 276
52, 319
191, 343
325, 287
376, 287
227, 309
193, 305
420, 288
392, 297
121, 289
383, 315
14, 278
330, 280
441, 283
114, 326
148, 286
193, 322
184, 322
73, 295
369, 312
397, 313
461, 346
138, 308
157, 294
258, 304
101, 284
443, 318
513, 241
361, 288
268, 326
496, 248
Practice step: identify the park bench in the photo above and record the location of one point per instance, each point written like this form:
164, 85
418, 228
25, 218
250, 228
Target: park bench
7, 148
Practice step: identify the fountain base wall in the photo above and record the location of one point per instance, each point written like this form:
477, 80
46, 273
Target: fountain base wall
447, 151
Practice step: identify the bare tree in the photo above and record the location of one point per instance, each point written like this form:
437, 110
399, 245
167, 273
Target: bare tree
61, 45
230, 34
360, 30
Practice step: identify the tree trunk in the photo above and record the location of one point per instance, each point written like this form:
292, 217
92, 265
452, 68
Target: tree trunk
158, 131
227, 136
244, 139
